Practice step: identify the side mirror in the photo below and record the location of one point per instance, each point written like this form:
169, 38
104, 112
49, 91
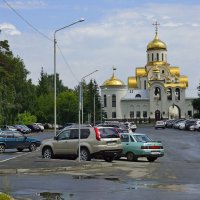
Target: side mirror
55, 137
25, 137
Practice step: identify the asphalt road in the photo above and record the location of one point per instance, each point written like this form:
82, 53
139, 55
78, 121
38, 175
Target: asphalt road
175, 176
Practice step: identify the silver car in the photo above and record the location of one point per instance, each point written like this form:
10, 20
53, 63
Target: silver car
95, 142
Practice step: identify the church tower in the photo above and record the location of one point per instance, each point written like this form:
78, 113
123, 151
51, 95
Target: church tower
157, 91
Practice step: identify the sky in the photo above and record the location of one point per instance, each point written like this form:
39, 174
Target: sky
115, 33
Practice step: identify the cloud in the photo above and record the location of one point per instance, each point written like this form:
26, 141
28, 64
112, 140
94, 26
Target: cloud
24, 4
118, 39
9, 29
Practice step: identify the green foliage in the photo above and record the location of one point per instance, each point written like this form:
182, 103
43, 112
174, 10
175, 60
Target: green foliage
196, 104
5, 197
23, 102
26, 118
67, 103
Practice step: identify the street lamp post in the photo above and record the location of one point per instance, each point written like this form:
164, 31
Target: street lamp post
79, 113
55, 112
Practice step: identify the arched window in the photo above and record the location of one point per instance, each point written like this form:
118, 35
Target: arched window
162, 57
177, 94
145, 84
169, 94
152, 56
105, 100
137, 96
113, 100
148, 57
157, 56
157, 93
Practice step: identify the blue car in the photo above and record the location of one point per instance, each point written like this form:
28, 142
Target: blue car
16, 140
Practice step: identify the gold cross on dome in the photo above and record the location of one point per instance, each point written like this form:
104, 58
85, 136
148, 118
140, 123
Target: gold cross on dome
156, 24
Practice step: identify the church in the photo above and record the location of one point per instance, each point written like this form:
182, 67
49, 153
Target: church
156, 91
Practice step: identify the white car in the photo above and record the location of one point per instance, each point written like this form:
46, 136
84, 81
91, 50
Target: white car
197, 125
160, 124
131, 125
40, 126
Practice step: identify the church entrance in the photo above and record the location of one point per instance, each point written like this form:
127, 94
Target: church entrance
174, 112
157, 115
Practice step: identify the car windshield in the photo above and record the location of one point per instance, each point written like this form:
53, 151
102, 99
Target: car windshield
142, 138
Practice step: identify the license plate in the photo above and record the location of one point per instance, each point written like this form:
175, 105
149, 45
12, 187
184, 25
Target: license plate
155, 153
111, 143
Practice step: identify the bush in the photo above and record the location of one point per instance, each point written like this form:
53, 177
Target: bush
5, 197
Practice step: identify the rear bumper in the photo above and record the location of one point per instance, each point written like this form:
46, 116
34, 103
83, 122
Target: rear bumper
108, 153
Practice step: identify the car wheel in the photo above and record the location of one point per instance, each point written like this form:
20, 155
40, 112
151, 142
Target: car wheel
2, 148
151, 159
85, 154
131, 157
20, 149
32, 147
47, 153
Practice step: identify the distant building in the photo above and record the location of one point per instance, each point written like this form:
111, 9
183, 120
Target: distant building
157, 91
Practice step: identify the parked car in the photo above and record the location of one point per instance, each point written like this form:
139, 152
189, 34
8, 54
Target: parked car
34, 128
160, 124
131, 125
16, 140
177, 123
169, 123
40, 125
189, 125
197, 125
95, 142
23, 129
137, 145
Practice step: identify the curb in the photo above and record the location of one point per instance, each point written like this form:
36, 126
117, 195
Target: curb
55, 169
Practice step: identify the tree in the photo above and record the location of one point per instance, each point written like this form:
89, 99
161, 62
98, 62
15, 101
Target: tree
67, 104
16, 92
196, 106
26, 118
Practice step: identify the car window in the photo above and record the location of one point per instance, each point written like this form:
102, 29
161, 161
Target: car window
142, 138
64, 135
73, 134
124, 138
132, 140
108, 133
85, 133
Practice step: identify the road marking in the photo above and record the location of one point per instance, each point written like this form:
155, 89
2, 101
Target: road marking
1, 161
12, 157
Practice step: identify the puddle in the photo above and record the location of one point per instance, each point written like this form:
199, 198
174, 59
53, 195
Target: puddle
82, 177
51, 196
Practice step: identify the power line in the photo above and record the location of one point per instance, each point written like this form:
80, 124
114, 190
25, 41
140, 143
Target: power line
26, 21
68, 64
45, 36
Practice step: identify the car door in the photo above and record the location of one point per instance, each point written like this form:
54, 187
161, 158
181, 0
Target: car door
125, 140
20, 140
65, 143
10, 140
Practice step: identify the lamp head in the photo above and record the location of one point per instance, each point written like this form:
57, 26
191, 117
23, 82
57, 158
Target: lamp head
81, 20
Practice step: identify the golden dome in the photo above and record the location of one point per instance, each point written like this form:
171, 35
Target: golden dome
113, 81
156, 44
132, 82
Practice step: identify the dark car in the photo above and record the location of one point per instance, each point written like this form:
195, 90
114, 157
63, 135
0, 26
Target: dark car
23, 129
34, 128
16, 140
189, 125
